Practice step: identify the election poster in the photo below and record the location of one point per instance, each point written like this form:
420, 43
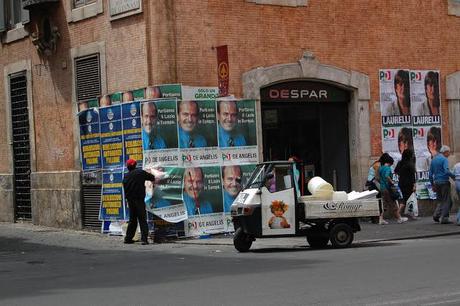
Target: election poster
112, 199
111, 137
197, 132
410, 106
199, 93
159, 132
395, 106
237, 131
427, 126
168, 189
131, 127
201, 149
90, 141
233, 178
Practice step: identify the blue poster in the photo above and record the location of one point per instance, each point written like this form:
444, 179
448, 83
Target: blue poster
132, 138
90, 145
111, 137
112, 199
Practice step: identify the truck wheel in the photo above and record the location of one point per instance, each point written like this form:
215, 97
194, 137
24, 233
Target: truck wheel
317, 241
242, 241
341, 235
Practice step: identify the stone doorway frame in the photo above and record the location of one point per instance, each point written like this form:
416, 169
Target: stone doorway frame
453, 100
309, 68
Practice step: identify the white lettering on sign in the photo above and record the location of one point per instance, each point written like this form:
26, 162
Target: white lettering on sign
297, 94
122, 6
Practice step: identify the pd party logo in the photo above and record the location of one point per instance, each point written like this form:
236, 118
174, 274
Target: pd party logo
415, 76
389, 133
419, 133
186, 158
192, 225
385, 75
226, 157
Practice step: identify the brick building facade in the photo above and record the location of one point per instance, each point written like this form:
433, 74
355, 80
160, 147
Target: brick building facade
139, 43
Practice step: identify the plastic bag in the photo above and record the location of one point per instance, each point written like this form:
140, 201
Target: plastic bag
412, 206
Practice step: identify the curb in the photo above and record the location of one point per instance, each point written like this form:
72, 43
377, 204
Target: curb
230, 243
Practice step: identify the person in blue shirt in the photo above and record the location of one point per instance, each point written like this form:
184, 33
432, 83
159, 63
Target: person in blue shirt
192, 195
439, 177
150, 138
231, 181
227, 113
188, 114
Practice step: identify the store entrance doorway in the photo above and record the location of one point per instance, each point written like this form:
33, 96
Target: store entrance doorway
316, 132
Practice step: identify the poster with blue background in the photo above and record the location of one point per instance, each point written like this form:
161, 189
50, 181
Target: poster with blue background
132, 138
90, 144
111, 137
112, 207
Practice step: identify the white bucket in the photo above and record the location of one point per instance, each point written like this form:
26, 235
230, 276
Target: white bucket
319, 186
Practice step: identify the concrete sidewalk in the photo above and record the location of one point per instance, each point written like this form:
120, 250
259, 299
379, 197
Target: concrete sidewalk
421, 228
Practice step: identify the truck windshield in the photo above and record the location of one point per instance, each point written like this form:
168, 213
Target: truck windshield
258, 176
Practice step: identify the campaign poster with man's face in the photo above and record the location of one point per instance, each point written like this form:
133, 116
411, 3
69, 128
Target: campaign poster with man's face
169, 91
237, 131
202, 196
234, 178
159, 132
197, 132
90, 142
164, 199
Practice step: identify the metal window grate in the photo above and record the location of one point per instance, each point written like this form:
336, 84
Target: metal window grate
87, 77
21, 147
91, 203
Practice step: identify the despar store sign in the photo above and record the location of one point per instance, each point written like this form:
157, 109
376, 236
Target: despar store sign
304, 91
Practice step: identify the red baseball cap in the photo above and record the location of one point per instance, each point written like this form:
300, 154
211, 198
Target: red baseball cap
131, 163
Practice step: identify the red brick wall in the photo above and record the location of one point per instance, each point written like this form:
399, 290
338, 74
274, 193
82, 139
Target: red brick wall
172, 41
358, 35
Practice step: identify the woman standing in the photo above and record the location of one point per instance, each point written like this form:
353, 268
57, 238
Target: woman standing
405, 169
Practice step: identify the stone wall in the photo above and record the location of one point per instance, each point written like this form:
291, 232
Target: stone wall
6, 198
56, 199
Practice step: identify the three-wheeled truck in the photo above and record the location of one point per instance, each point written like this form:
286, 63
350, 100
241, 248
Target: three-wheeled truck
272, 204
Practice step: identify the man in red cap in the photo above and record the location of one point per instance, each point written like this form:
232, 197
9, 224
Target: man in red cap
134, 186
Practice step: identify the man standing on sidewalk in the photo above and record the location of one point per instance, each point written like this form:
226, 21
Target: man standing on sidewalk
134, 186
439, 178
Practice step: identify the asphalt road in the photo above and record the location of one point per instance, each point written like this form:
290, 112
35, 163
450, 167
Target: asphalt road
46, 267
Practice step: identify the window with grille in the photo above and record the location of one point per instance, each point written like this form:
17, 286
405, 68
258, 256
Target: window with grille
21, 147
87, 77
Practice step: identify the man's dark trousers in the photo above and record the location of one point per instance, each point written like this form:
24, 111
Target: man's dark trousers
444, 201
137, 212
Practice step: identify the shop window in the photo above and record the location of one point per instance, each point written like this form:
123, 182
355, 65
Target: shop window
12, 20
293, 3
